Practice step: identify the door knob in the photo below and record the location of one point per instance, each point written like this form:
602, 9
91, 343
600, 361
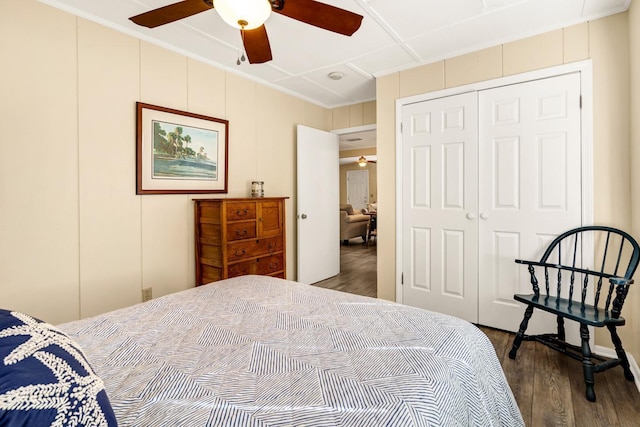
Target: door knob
470, 215
303, 216
484, 215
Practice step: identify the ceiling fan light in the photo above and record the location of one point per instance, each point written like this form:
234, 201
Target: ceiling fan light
362, 161
243, 14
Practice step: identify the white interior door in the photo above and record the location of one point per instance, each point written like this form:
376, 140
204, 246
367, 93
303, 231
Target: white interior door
529, 188
358, 189
439, 205
318, 197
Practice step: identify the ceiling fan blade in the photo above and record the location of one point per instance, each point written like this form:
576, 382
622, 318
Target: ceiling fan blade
322, 15
171, 13
256, 44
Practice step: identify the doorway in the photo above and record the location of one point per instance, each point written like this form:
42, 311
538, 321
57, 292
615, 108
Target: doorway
358, 259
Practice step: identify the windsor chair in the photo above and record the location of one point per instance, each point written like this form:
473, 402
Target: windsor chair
564, 274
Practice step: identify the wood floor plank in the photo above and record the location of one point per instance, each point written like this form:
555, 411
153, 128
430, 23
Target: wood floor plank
551, 360
552, 403
520, 375
499, 339
358, 270
624, 393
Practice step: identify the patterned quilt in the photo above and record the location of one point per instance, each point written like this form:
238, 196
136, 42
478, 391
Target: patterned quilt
258, 351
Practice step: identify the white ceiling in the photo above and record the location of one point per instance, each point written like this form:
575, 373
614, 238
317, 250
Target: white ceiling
357, 140
395, 35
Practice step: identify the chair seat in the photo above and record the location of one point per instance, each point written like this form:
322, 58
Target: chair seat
573, 310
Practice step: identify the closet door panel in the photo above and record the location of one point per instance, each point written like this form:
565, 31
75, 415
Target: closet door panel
439, 205
529, 187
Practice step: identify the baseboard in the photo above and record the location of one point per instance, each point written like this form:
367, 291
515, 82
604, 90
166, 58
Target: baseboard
609, 352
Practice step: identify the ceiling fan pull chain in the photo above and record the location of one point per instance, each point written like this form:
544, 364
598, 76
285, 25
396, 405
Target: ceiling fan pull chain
241, 57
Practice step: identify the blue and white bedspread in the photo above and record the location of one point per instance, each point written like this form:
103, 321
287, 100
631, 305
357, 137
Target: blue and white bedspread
258, 351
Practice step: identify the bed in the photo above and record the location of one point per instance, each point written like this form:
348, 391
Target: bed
261, 351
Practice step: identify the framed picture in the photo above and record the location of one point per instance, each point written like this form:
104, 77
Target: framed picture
180, 152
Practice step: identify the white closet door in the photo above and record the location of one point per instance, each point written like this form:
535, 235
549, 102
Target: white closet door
439, 205
529, 188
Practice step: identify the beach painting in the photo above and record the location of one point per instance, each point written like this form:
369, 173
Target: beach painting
184, 152
180, 152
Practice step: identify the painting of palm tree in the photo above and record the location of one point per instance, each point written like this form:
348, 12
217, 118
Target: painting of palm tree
180, 152
174, 157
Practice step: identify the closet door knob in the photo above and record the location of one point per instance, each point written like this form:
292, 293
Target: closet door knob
470, 215
484, 215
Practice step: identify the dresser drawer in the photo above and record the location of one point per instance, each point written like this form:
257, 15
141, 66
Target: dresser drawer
240, 269
241, 210
270, 264
241, 230
261, 266
253, 248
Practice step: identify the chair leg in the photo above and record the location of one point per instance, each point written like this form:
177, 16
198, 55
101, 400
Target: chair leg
561, 333
587, 364
520, 335
622, 355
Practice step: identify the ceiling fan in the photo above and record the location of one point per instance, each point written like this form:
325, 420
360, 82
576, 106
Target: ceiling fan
362, 161
250, 15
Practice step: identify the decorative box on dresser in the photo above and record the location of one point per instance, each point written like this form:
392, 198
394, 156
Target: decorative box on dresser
235, 237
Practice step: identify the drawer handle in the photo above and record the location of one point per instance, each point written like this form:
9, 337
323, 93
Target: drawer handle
271, 248
242, 212
241, 233
240, 253
273, 265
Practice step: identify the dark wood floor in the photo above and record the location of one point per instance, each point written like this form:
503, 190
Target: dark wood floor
548, 386
358, 271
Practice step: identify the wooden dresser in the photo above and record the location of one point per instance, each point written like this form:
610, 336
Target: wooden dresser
235, 237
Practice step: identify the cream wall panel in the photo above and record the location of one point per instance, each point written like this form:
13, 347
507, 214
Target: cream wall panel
369, 113
166, 242
165, 218
313, 116
243, 137
423, 79
609, 45
207, 89
275, 148
387, 90
576, 43
609, 49
533, 53
356, 115
633, 301
163, 77
39, 161
341, 118
474, 67
110, 222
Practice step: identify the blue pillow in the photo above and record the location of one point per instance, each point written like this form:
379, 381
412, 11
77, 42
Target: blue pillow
46, 379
